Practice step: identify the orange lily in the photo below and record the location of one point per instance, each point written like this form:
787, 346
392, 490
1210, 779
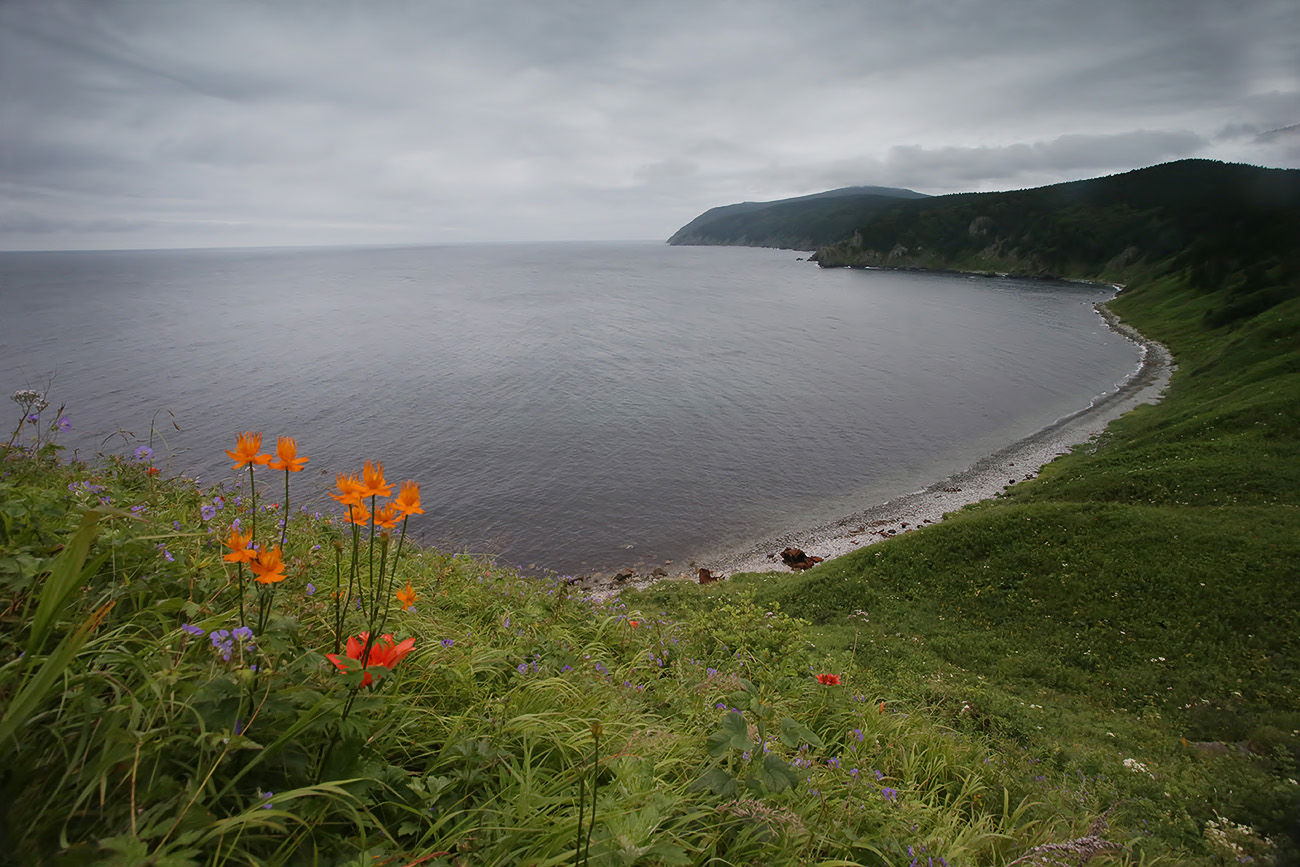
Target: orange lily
268, 567
358, 514
349, 490
245, 452
828, 679
286, 449
408, 597
408, 500
386, 516
372, 481
239, 545
383, 652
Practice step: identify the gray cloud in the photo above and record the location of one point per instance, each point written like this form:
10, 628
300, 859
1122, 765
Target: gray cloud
155, 123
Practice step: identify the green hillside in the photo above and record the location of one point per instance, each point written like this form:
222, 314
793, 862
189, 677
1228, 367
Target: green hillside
1226, 227
802, 223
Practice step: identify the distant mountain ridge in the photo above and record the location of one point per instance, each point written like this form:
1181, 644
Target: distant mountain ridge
1229, 228
799, 223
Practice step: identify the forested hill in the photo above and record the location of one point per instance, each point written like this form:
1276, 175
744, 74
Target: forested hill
802, 223
1227, 226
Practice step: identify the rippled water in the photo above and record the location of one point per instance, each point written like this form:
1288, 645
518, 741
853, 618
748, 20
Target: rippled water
577, 406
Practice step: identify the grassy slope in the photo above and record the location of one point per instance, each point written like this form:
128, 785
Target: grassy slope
1143, 591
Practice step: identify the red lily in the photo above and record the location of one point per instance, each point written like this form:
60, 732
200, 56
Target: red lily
382, 652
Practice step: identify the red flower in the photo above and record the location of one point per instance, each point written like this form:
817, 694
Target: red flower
383, 652
829, 679
634, 623
152, 471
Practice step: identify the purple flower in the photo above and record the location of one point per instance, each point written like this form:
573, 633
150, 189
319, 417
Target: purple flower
448, 642
218, 502
138, 508
193, 630
311, 589
63, 424
167, 555
267, 796
832, 762
522, 668
33, 418
222, 643
243, 633
889, 794
144, 454
208, 512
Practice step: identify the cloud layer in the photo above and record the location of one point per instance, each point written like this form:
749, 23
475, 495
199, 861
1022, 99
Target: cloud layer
147, 123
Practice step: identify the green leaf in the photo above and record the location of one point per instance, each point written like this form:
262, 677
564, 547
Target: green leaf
64, 578
793, 731
776, 775
719, 782
733, 734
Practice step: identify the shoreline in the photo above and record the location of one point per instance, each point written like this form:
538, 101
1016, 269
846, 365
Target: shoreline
987, 477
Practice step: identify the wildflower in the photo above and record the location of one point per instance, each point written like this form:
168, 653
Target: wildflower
311, 589
372, 481
167, 555
633, 623
245, 452
349, 493
522, 668
208, 512
244, 634
889, 794
268, 567
286, 449
63, 424
408, 500
152, 471
219, 503
222, 643
144, 454
193, 630
829, 679
241, 547
267, 796
383, 652
386, 516
358, 514
448, 642
407, 598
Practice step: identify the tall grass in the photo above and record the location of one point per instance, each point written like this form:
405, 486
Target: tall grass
162, 707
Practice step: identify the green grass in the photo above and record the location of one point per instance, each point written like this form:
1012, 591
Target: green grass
1143, 590
1008, 675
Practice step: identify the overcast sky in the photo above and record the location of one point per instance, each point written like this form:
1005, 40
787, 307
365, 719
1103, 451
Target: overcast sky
164, 123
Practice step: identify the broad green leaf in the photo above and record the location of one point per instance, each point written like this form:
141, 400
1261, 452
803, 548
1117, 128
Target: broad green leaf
65, 577
733, 734
793, 731
719, 782
776, 775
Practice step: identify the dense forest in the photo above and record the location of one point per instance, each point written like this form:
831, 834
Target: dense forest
1224, 226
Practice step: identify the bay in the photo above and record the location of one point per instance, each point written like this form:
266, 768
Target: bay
574, 407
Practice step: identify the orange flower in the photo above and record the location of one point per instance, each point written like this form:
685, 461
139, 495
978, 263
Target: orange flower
268, 568
245, 452
408, 500
358, 514
634, 623
383, 652
240, 550
386, 516
372, 481
407, 598
152, 471
829, 679
286, 448
349, 490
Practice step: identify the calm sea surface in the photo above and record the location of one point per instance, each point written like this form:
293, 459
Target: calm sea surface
574, 406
